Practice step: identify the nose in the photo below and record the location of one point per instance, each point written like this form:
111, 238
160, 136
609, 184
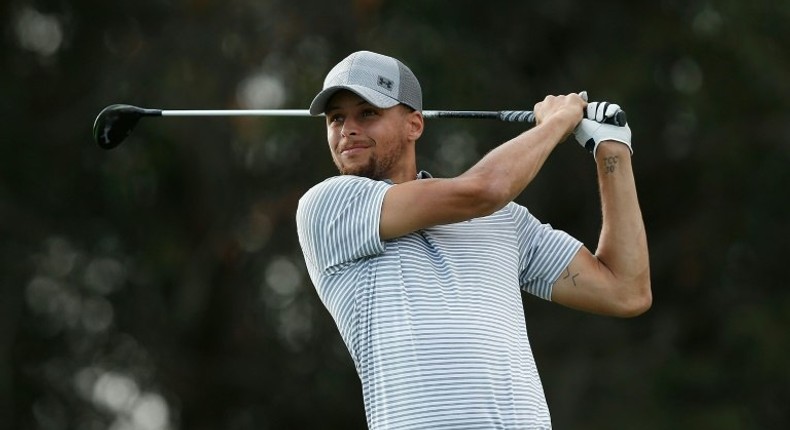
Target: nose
350, 128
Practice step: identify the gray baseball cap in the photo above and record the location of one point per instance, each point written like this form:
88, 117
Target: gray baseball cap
381, 80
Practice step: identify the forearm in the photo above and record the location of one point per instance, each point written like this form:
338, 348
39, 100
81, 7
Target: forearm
616, 279
510, 167
622, 246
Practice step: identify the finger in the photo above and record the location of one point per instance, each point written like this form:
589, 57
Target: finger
592, 108
600, 114
538, 110
611, 110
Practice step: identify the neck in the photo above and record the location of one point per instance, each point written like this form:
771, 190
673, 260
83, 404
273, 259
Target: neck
404, 175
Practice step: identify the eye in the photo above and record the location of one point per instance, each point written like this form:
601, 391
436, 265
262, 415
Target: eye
335, 118
368, 113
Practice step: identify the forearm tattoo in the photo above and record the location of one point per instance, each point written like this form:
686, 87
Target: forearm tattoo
568, 275
610, 164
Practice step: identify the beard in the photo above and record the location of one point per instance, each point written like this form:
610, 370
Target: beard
375, 167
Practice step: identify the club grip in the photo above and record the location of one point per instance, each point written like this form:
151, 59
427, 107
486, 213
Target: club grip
517, 116
619, 118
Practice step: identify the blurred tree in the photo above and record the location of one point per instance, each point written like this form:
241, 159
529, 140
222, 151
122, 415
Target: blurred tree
161, 286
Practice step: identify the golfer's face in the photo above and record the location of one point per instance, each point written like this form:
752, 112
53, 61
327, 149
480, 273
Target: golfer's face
364, 140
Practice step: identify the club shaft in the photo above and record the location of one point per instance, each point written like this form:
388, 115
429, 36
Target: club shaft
507, 116
512, 116
237, 112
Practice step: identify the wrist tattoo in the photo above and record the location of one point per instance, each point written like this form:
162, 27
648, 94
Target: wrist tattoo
568, 275
610, 164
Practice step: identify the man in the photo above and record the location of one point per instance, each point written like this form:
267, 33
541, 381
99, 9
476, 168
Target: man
422, 275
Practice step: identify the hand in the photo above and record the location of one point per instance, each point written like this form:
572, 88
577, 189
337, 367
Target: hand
568, 109
603, 112
590, 133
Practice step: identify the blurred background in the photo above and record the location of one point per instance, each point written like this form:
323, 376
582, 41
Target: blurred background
160, 285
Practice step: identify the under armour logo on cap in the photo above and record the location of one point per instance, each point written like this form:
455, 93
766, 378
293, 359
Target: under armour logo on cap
385, 83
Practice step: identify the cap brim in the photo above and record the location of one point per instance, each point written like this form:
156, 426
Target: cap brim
383, 101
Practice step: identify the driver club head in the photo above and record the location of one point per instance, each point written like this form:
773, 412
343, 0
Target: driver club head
115, 122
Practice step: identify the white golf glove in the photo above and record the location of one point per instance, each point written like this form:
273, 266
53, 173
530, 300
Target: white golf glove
601, 111
591, 132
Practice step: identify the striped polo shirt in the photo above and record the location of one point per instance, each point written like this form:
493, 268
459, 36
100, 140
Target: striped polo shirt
433, 320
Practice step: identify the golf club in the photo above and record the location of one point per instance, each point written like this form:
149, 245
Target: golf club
115, 122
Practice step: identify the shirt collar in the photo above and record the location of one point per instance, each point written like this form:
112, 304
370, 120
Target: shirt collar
421, 175
424, 175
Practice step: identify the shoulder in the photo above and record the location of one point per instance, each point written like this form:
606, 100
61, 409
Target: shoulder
338, 192
337, 221
339, 185
517, 213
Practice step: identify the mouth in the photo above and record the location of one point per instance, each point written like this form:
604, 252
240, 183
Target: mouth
354, 148
352, 151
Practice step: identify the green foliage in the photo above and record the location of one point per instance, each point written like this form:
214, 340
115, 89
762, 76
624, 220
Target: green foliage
161, 283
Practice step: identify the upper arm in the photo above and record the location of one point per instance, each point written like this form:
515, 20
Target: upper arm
587, 284
414, 205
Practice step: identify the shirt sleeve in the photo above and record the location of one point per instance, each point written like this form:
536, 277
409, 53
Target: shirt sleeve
338, 222
544, 252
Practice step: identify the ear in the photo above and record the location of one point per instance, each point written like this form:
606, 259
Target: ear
415, 123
